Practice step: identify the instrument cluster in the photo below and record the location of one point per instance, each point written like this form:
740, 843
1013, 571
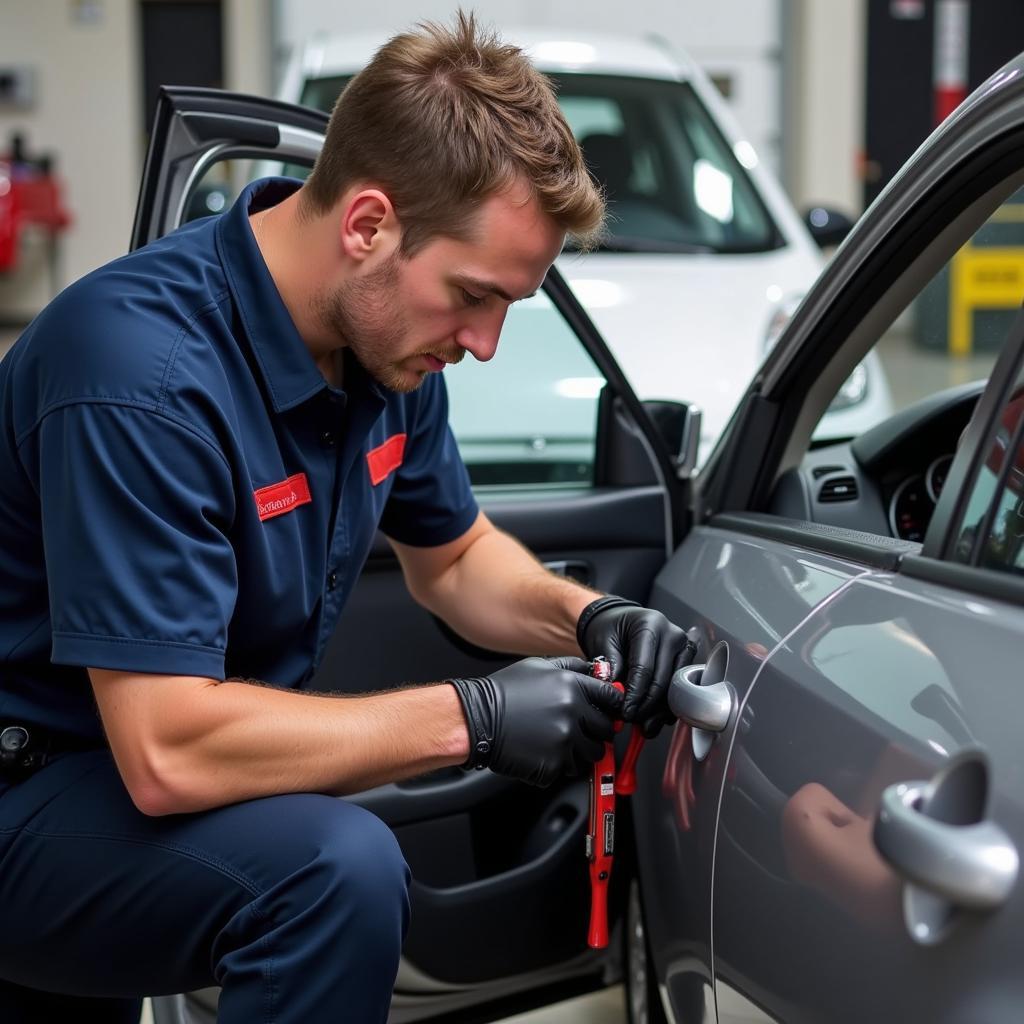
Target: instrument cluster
913, 502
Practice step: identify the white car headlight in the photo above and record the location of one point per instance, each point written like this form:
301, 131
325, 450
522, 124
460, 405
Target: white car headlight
855, 387
853, 391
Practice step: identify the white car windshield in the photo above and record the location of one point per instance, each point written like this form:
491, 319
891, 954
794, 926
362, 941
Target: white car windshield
672, 181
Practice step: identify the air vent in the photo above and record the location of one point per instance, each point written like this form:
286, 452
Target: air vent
819, 471
840, 488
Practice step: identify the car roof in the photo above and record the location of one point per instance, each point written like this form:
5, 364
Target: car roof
552, 50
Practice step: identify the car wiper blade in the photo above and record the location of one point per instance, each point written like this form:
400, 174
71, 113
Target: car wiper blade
630, 243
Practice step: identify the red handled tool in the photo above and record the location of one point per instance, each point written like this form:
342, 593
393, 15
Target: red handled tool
601, 829
601, 832
625, 781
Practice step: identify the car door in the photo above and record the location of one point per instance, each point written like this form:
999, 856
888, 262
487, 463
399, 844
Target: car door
849, 840
872, 812
562, 457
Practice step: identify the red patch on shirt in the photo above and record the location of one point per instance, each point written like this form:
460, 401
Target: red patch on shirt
386, 458
277, 499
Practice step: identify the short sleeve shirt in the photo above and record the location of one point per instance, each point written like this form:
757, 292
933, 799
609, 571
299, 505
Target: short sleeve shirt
184, 492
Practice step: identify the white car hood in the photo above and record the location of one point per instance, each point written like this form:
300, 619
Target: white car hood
688, 327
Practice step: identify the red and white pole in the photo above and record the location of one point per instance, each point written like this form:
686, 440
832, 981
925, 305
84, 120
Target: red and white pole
949, 67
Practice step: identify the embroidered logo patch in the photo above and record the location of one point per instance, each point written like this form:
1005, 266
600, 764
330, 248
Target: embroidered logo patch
277, 499
386, 458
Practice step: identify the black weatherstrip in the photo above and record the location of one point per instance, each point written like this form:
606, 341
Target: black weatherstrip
868, 549
967, 578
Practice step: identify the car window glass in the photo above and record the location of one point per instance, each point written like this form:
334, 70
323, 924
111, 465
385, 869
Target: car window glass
525, 419
950, 333
668, 174
528, 417
992, 531
587, 114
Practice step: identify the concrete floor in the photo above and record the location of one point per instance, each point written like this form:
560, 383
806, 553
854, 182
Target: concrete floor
601, 1008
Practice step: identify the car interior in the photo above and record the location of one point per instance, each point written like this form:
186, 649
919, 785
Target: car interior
887, 481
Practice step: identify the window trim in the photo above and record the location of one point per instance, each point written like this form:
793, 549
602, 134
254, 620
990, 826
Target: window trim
969, 578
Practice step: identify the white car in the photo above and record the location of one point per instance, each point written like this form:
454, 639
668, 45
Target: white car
705, 259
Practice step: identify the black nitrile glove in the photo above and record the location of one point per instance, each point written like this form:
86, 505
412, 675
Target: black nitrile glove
644, 649
538, 719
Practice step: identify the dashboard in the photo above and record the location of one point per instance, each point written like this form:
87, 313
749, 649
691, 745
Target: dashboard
888, 480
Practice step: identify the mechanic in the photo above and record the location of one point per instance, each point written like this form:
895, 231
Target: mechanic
199, 441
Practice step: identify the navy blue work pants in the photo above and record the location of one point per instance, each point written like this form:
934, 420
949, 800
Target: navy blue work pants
295, 905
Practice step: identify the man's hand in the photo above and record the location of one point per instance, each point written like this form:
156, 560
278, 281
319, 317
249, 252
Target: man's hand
644, 649
538, 719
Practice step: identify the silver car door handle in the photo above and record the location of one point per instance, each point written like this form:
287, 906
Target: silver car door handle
700, 696
972, 866
703, 707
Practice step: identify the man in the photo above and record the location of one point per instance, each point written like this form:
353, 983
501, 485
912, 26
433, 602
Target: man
199, 441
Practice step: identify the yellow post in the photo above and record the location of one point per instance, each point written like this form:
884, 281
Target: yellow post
982, 277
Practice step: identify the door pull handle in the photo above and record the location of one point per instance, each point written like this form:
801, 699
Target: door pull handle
701, 696
972, 866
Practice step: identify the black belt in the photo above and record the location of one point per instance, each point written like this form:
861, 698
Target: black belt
25, 748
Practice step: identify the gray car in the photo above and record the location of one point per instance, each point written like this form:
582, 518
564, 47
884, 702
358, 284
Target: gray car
830, 831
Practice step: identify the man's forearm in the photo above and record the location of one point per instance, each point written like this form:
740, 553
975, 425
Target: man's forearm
186, 744
497, 595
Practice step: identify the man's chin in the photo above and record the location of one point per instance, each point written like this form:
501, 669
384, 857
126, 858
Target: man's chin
403, 381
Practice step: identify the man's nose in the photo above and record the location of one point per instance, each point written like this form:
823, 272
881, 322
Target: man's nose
480, 339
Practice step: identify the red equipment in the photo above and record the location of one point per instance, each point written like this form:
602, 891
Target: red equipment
29, 195
601, 828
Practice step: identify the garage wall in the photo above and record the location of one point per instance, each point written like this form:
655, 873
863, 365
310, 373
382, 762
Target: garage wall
85, 112
826, 67
737, 41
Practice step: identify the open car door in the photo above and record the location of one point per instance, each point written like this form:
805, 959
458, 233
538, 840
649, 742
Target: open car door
563, 457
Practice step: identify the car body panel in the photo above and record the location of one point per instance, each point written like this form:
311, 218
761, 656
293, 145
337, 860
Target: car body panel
643, 305
886, 684
751, 594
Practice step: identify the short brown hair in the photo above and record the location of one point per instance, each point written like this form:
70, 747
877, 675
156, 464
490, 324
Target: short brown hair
444, 118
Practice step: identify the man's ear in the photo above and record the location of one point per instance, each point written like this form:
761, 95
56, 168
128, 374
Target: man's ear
369, 226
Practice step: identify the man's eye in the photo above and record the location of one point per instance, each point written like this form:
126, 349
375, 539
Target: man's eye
470, 299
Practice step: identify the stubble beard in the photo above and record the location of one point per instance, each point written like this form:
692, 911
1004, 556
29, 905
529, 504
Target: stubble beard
365, 315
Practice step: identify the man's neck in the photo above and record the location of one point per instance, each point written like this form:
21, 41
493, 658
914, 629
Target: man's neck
332, 366
291, 250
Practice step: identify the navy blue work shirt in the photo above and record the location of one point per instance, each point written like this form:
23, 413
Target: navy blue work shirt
183, 491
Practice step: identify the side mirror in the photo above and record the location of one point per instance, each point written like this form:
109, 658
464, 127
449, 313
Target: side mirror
679, 425
827, 226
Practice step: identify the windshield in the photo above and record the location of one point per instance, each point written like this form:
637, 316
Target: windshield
672, 181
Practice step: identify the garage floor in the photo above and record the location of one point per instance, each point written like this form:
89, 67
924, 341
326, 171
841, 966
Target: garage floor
602, 1008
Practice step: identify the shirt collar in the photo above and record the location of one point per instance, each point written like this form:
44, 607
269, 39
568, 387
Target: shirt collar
287, 366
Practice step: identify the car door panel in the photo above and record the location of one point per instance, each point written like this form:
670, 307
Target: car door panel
500, 893
751, 593
894, 680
